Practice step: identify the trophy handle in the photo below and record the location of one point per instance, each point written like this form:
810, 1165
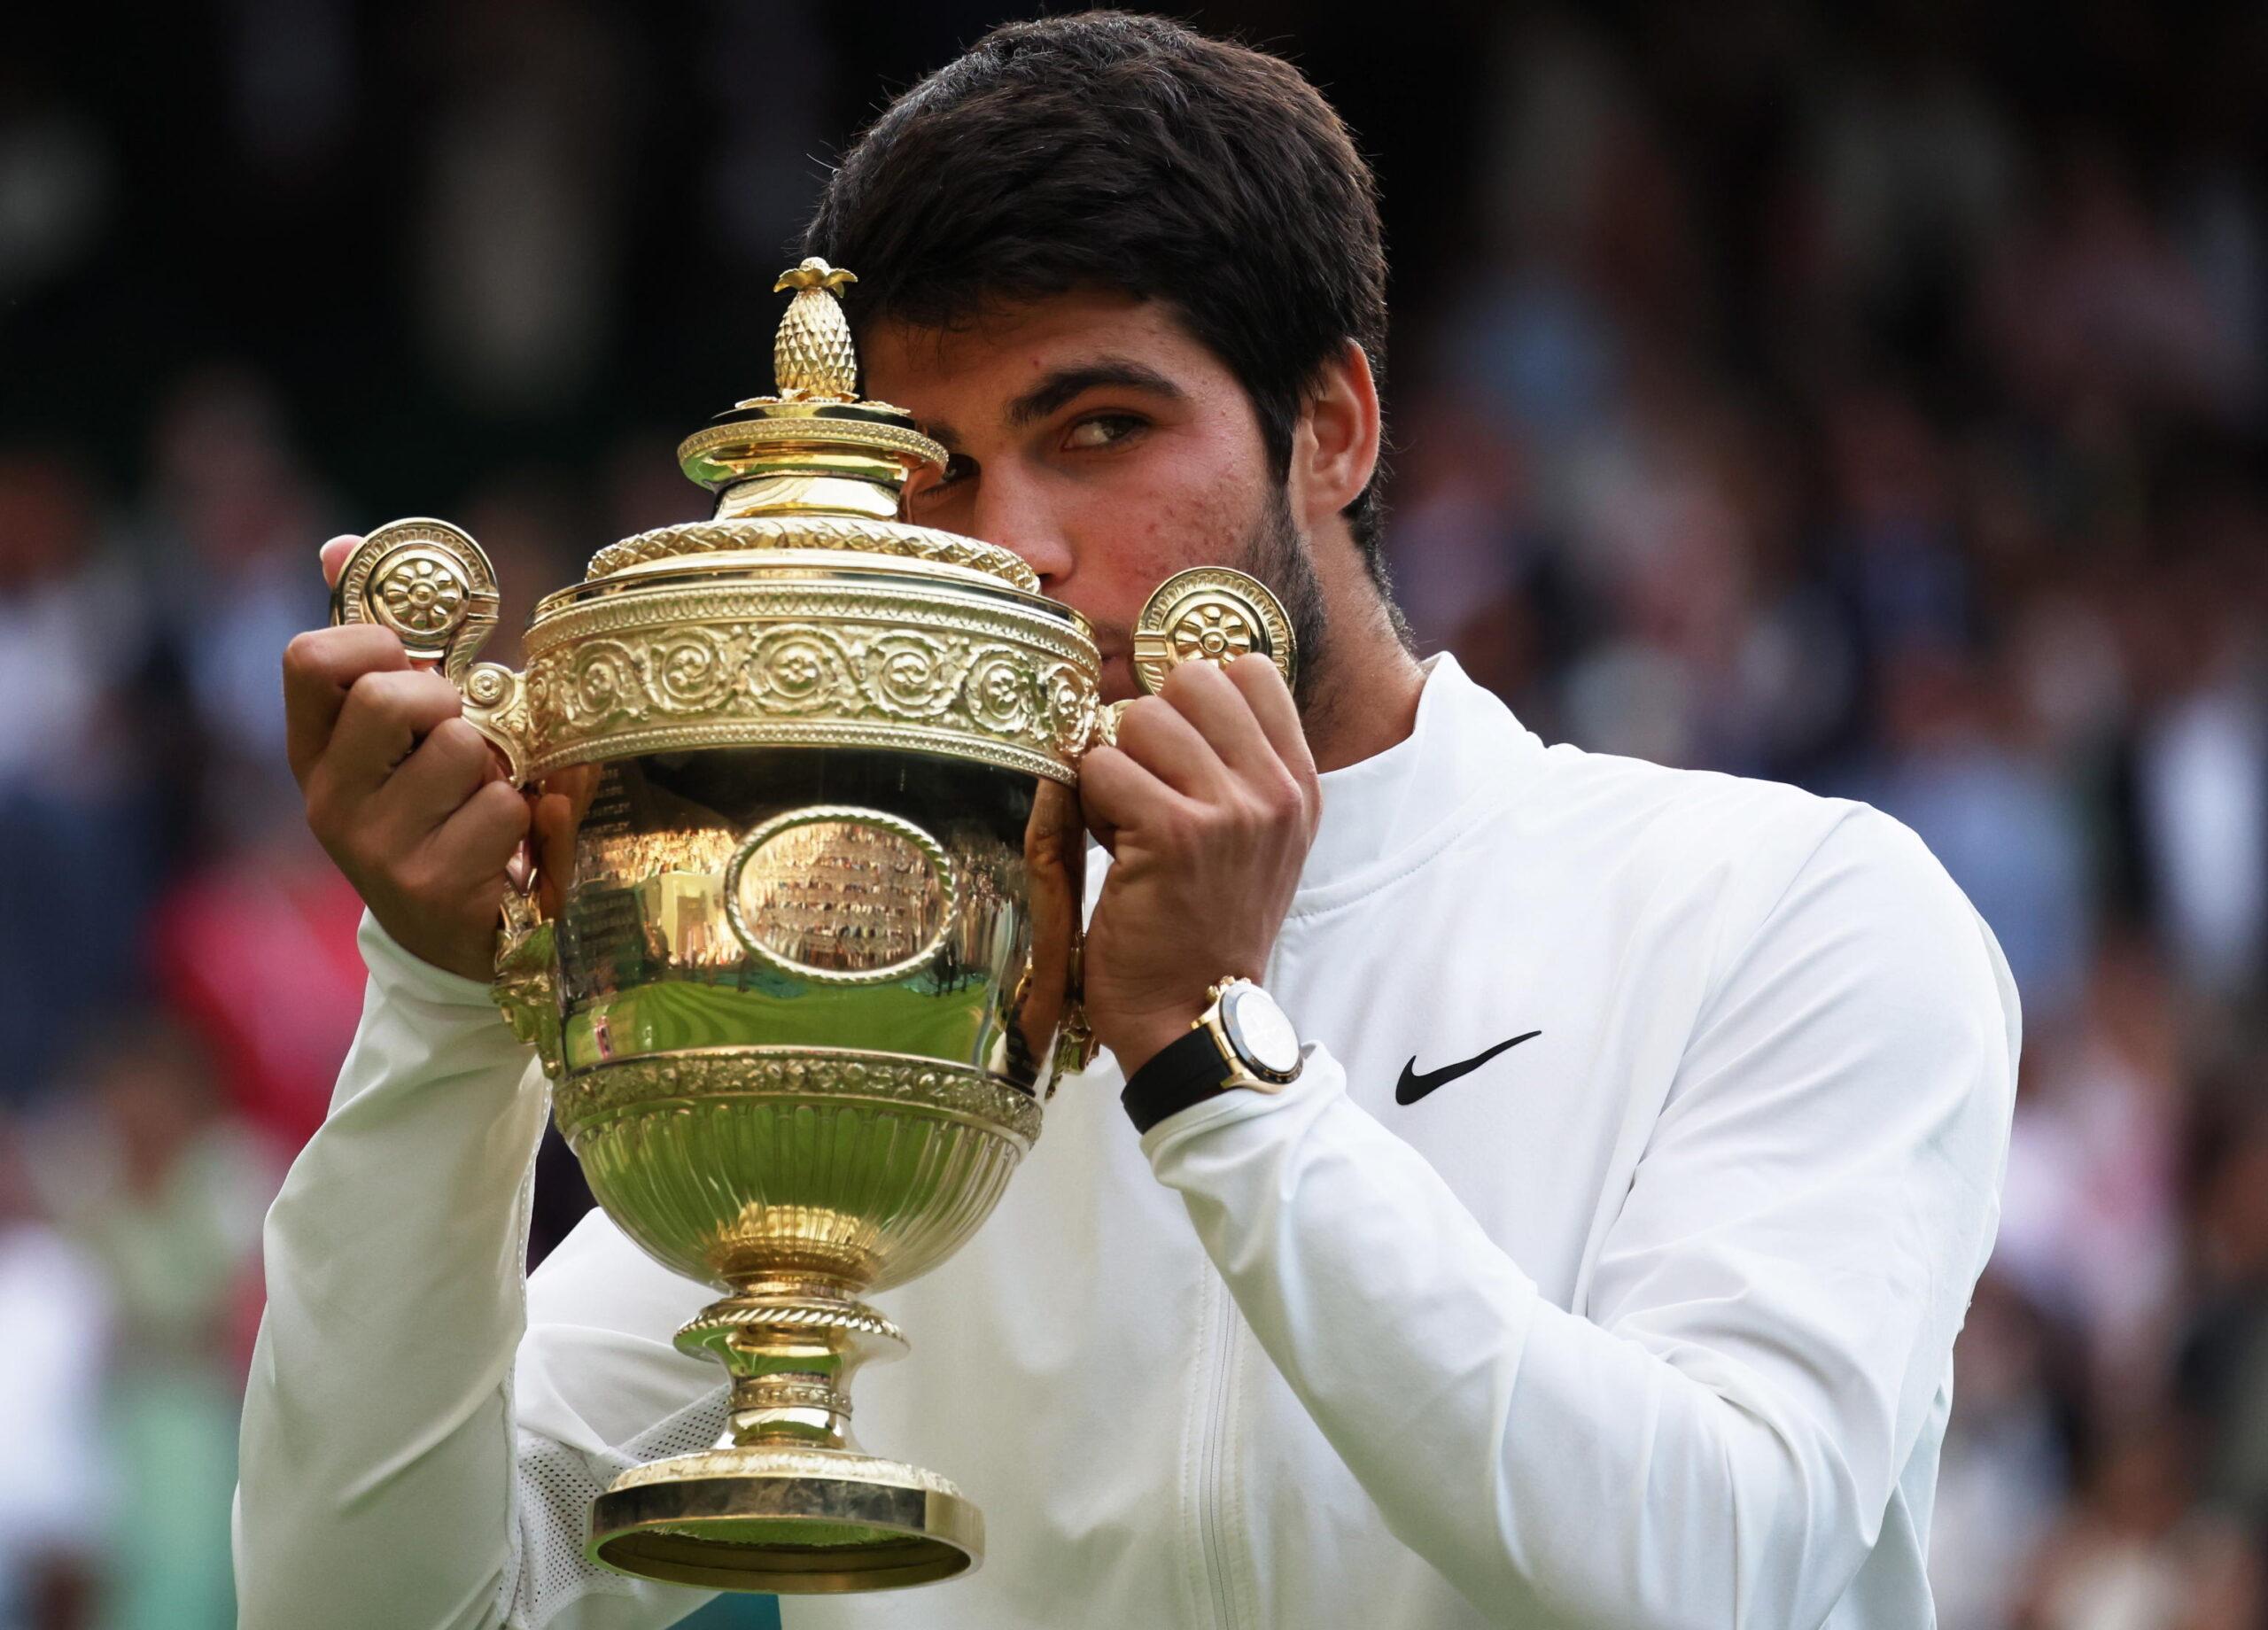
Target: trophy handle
431, 585
1212, 614
526, 986
1075, 1040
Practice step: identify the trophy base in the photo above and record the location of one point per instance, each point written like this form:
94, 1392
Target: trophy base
796, 1521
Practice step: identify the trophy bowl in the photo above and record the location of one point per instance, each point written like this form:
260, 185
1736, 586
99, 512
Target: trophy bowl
802, 959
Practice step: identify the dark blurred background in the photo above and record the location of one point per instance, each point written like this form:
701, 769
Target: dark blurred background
1870, 396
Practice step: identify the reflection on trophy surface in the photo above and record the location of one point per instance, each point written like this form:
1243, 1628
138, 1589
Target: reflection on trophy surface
808, 967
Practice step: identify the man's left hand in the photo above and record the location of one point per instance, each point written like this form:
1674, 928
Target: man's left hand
1207, 805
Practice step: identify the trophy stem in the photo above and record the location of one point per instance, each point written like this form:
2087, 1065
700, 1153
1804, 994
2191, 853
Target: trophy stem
790, 1346
787, 1502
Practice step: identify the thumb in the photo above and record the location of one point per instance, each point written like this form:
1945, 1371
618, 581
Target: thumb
334, 556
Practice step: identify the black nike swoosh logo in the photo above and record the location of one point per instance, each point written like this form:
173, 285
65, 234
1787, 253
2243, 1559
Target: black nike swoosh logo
1414, 1086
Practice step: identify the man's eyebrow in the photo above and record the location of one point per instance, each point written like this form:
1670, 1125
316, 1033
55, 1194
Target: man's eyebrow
1067, 383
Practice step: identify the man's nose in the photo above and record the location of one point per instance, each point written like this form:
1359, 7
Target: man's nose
1012, 515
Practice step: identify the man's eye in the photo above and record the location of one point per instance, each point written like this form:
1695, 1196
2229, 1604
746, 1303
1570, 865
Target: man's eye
958, 468
1102, 430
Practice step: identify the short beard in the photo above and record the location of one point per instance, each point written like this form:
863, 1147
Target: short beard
1276, 554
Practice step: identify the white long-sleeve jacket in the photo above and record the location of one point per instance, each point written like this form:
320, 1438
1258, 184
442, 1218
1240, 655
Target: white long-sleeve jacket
1646, 1321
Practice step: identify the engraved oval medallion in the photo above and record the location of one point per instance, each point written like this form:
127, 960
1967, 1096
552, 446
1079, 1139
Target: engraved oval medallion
840, 895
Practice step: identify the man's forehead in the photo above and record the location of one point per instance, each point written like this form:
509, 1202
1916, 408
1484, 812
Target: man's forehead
983, 368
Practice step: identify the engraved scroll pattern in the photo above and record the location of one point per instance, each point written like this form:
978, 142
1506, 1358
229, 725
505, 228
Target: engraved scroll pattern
584, 691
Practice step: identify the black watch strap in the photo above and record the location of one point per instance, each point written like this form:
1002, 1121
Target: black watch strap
1182, 1073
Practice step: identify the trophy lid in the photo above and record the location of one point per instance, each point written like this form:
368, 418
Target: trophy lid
815, 466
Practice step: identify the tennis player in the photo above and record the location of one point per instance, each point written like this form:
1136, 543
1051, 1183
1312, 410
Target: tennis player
1600, 1262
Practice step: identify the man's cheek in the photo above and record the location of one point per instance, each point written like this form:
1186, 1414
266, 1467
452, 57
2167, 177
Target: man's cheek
1177, 519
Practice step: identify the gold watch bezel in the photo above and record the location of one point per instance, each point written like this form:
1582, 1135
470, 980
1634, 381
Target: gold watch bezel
1242, 1072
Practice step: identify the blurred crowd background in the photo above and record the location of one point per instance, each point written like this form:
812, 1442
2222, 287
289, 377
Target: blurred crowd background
1870, 396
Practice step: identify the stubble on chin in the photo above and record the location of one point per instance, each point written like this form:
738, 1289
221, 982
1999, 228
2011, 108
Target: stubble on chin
1276, 554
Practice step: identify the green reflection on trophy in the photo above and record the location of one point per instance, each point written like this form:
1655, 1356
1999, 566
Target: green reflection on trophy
803, 963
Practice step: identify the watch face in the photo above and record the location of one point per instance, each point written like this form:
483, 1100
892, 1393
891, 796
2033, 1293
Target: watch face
1257, 1028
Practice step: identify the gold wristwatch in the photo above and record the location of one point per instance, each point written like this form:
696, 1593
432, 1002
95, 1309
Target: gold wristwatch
1243, 1039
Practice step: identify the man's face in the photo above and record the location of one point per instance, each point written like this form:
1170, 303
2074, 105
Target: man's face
1095, 437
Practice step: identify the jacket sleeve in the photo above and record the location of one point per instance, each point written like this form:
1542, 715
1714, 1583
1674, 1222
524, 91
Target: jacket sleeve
1717, 1438
385, 1472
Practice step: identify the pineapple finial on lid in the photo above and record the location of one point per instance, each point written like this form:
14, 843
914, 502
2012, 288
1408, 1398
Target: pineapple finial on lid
812, 358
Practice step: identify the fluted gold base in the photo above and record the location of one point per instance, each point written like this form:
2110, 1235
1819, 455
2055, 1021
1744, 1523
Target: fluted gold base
796, 1521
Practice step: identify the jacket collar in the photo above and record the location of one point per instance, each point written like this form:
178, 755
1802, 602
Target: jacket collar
1383, 815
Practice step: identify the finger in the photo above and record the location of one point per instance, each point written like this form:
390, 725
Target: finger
319, 667
1159, 737
1118, 795
334, 556
1102, 830
446, 768
554, 818
520, 871
477, 842
383, 717
1275, 711
578, 784
1205, 695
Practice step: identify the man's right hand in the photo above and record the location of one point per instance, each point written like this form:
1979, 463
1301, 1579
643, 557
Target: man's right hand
410, 800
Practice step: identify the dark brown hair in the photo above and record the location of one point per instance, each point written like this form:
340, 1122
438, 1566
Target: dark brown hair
1128, 152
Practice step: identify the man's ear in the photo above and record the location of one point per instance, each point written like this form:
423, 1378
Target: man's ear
1335, 444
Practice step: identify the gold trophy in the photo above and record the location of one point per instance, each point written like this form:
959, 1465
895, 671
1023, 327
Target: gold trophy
812, 967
